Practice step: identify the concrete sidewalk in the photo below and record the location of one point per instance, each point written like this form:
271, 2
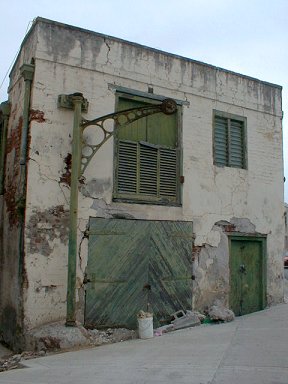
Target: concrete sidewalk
251, 350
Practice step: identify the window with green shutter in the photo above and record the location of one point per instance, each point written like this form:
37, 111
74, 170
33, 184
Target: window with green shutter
229, 140
147, 156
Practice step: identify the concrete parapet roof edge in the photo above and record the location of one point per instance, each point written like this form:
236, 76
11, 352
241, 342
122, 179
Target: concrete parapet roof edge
68, 26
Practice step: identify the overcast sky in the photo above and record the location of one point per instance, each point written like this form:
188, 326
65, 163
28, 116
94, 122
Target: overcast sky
247, 36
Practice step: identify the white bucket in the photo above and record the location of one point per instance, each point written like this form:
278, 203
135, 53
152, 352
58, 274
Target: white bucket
145, 327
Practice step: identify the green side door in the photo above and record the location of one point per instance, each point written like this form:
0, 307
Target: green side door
247, 275
134, 265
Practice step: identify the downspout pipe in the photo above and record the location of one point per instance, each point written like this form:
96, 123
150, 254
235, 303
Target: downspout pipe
77, 99
5, 110
27, 72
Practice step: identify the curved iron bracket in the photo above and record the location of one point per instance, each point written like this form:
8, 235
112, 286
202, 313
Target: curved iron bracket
109, 124
82, 154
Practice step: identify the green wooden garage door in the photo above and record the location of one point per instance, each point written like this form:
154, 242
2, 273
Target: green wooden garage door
247, 274
134, 265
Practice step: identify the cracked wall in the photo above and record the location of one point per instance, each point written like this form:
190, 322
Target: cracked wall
250, 200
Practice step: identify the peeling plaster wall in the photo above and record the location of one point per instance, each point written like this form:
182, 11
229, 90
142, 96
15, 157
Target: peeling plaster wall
12, 272
71, 60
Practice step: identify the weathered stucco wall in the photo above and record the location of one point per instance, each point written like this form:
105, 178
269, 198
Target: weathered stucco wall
69, 60
12, 272
13, 278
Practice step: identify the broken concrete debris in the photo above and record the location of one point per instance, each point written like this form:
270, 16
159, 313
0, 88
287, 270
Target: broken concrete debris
220, 313
56, 336
186, 319
11, 361
180, 320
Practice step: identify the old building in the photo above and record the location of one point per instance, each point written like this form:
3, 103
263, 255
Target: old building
172, 205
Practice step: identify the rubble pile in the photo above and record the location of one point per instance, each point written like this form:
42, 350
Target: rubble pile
14, 361
220, 313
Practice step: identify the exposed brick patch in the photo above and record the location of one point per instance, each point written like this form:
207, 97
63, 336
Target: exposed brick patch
229, 228
66, 176
12, 178
14, 140
196, 251
36, 115
226, 226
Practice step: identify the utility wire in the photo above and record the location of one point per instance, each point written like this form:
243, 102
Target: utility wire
13, 61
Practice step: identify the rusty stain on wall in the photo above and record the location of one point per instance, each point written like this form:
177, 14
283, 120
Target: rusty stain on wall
46, 226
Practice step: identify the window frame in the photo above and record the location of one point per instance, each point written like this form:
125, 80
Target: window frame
141, 198
229, 117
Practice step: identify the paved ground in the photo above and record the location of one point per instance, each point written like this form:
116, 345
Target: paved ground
251, 350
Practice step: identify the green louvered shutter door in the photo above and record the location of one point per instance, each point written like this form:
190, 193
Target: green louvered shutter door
168, 172
147, 158
127, 167
148, 170
157, 170
236, 144
221, 141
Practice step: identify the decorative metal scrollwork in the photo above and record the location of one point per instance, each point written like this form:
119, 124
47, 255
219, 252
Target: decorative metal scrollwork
109, 124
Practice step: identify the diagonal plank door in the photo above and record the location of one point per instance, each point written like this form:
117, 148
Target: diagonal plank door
134, 265
170, 269
117, 271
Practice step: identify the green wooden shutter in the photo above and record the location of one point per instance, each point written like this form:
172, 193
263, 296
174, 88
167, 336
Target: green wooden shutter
162, 130
229, 142
127, 167
221, 141
137, 130
236, 158
157, 174
148, 170
147, 158
168, 172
